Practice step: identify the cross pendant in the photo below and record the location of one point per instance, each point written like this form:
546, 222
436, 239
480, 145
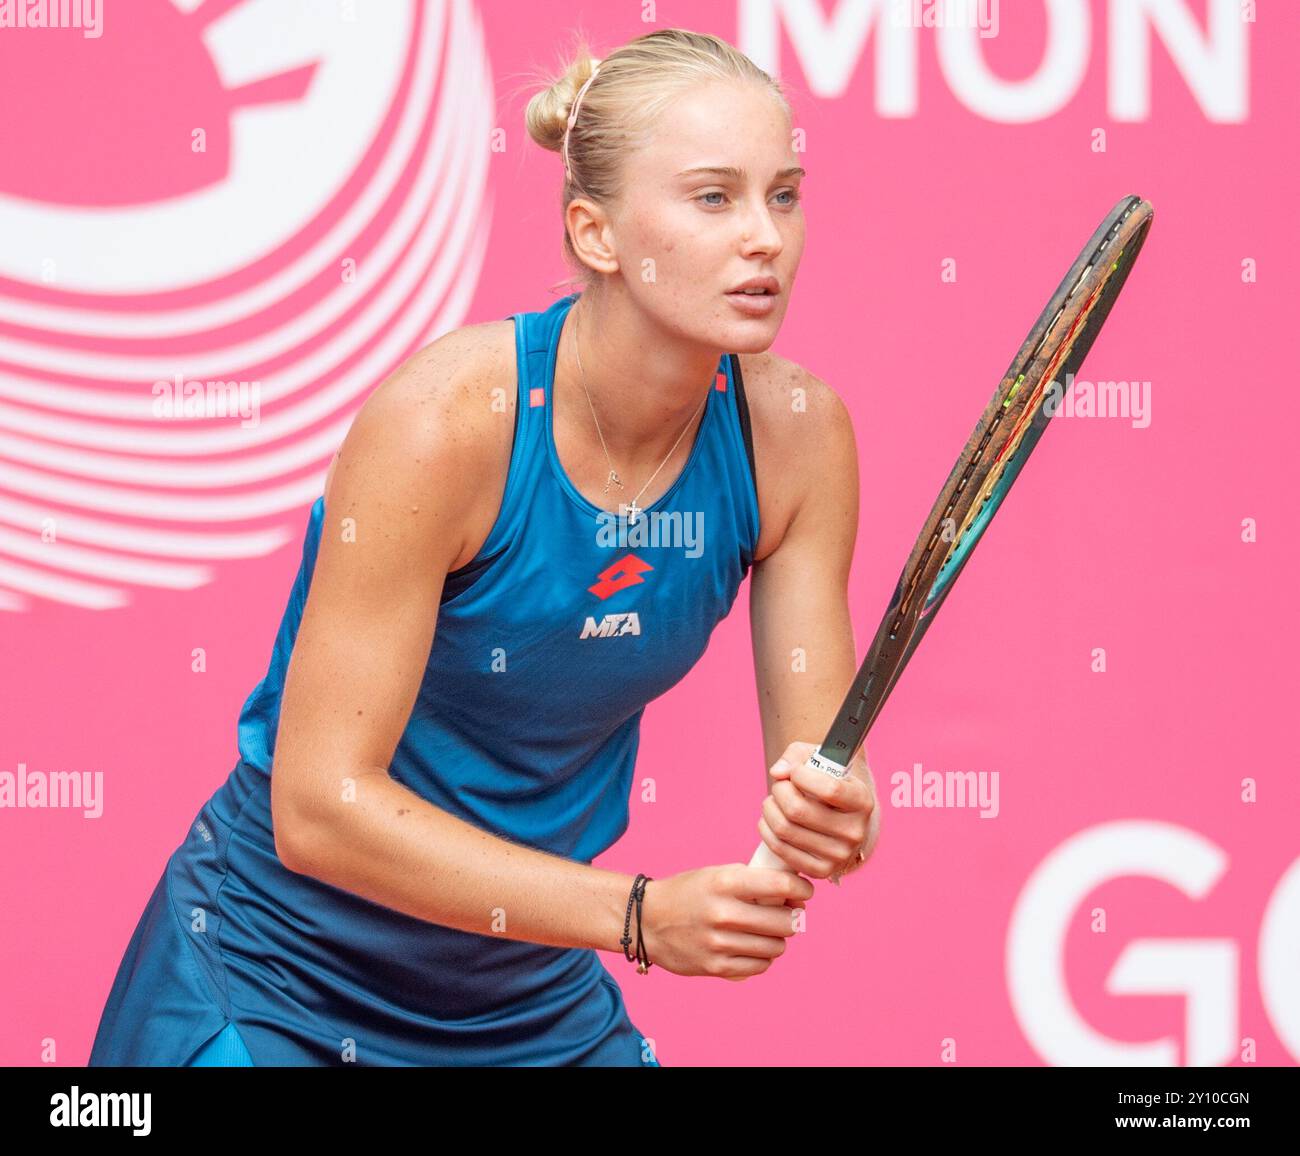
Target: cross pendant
632, 512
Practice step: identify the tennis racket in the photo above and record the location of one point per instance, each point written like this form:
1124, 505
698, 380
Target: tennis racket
992, 459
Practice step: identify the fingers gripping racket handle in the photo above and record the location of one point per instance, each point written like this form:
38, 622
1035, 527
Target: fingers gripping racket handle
765, 856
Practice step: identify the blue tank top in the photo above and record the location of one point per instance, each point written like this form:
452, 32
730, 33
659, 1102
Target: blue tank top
547, 648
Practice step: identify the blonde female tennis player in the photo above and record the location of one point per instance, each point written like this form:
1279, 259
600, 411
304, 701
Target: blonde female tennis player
530, 532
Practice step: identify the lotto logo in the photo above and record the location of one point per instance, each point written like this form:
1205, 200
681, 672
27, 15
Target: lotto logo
620, 575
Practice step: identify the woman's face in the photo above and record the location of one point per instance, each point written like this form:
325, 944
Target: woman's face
684, 240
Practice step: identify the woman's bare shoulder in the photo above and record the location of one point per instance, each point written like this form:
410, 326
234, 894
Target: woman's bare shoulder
458, 366
461, 387
784, 390
792, 412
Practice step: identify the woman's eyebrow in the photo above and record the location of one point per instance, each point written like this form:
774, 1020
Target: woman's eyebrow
738, 174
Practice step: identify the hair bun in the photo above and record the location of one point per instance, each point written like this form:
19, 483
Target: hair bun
547, 114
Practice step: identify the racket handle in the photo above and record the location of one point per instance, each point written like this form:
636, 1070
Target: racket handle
766, 857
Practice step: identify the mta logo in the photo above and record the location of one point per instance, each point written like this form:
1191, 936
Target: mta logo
619, 575
612, 626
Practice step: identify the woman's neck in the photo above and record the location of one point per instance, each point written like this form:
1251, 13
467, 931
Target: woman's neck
644, 385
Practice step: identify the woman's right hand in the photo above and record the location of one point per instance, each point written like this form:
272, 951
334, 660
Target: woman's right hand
709, 921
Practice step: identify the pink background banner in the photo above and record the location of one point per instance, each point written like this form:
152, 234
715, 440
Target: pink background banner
296, 196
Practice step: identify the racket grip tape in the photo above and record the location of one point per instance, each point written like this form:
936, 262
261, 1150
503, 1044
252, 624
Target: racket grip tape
765, 856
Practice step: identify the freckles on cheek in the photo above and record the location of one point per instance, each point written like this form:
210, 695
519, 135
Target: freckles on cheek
674, 231
665, 235
672, 240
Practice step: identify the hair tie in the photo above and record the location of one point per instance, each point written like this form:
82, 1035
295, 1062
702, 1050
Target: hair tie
573, 116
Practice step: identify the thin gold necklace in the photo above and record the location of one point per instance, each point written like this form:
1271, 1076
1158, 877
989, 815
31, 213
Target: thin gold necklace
632, 509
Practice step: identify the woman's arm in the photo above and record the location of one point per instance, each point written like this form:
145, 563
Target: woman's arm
798, 600
413, 467
802, 633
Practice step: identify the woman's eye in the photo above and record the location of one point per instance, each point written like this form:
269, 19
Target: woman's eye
792, 194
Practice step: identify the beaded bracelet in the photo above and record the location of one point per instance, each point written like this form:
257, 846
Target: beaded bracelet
642, 956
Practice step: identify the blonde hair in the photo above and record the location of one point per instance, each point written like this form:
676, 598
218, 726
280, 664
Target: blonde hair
633, 86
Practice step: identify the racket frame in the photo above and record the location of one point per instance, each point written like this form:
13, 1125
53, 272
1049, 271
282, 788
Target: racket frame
1021, 406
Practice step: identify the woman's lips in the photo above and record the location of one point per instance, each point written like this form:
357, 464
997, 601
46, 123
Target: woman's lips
754, 304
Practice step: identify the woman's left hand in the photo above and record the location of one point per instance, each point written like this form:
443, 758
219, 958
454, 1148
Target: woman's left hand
818, 825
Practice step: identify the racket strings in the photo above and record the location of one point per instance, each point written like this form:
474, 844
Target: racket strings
887, 655
1023, 423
